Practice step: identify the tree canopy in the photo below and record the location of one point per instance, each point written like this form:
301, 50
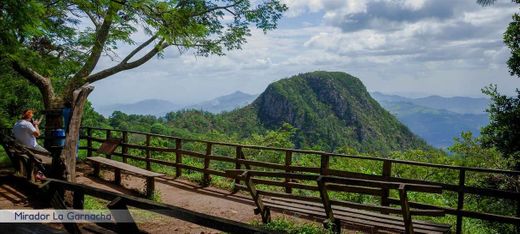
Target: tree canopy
57, 44
511, 39
503, 130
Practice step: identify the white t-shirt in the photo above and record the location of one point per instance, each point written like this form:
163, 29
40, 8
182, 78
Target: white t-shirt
23, 131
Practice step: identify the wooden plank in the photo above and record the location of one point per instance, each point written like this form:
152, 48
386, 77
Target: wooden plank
291, 196
249, 163
288, 162
89, 142
407, 217
124, 147
96, 169
58, 203
387, 173
324, 165
117, 176
383, 184
109, 146
78, 200
238, 152
295, 176
150, 186
264, 212
122, 216
324, 195
460, 199
355, 205
206, 180
178, 157
124, 166
354, 189
148, 153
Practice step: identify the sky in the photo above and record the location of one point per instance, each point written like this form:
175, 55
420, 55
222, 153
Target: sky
406, 47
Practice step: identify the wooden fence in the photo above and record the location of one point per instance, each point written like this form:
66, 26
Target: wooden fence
239, 160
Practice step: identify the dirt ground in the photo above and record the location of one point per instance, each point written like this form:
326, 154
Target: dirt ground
179, 193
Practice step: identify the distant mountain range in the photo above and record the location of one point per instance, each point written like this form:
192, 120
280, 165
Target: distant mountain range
225, 103
159, 107
461, 105
437, 119
331, 111
155, 107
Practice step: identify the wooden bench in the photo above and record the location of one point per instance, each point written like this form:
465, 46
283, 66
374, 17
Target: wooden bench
336, 213
108, 147
119, 166
23, 159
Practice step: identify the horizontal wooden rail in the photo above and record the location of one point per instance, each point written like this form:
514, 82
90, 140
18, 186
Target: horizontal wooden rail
398, 161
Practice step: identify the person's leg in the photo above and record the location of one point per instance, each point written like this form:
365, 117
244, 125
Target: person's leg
41, 149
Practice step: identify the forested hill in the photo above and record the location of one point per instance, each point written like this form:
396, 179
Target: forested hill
332, 110
329, 111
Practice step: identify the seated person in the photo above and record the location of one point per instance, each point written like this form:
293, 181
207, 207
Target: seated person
26, 130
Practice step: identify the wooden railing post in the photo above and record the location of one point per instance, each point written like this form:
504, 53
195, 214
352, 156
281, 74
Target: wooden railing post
518, 214
238, 152
89, 142
385, 192
407, 217
108, 136
460, 202
206, 179
78, 200
324, 167
124, 148
178, 157
261, 209
288, 162
330, 223
122, 217
148, 153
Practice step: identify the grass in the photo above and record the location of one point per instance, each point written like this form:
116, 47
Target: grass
156, 196
287, 225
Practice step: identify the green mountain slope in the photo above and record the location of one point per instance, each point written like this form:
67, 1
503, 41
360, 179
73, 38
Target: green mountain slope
332, 110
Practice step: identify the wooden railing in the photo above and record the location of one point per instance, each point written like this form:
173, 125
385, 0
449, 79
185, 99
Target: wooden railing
239, 160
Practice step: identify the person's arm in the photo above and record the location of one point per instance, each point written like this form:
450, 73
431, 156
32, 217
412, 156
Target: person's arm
36, 133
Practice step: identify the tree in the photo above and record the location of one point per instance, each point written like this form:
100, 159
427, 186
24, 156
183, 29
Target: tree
56, 45
503, 131
511, 39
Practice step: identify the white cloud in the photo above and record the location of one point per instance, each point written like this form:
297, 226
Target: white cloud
440, 47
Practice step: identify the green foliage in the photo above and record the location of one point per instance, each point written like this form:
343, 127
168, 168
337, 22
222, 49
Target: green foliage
156, 196
503, 131
48, 37
286, 225
511, 39
332, 110
16, 94
92, 203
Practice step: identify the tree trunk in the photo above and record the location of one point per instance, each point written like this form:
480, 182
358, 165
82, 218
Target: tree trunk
64, 160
